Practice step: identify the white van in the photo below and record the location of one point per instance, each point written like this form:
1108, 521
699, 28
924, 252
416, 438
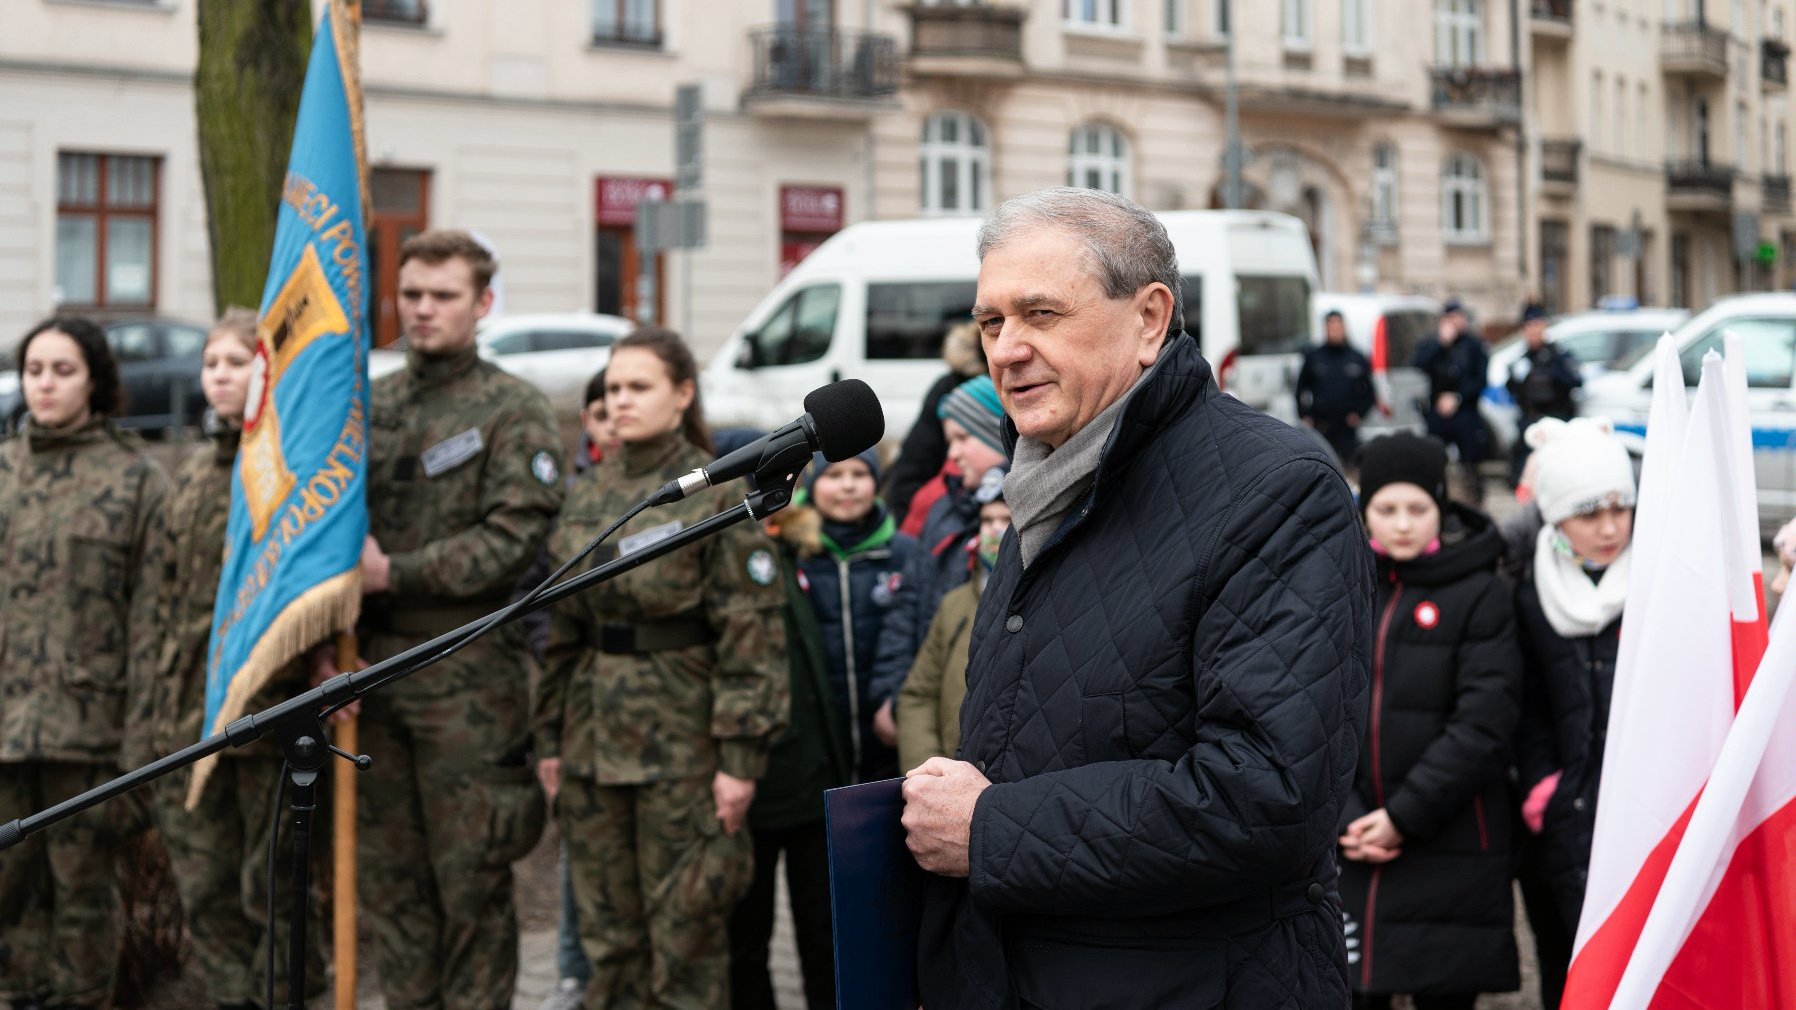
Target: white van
1386, 329
875, 300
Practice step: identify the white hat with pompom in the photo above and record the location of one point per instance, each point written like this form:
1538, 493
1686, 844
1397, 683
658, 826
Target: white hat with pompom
1579, 467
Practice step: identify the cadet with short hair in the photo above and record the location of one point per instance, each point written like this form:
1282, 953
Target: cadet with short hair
464, 479
80, 505
662, 692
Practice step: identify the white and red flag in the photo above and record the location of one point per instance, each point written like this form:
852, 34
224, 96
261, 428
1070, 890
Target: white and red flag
1688, 903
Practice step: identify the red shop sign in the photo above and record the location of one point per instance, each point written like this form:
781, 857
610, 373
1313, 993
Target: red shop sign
811, 208
618, 197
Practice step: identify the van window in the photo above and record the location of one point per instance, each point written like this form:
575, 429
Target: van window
1275, 314
1403, 331
907, 321
571, 340
1770, 346
1191, 290
799, 330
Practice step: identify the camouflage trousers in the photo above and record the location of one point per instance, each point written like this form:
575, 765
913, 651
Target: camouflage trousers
441, 817
654, 879
219, 853
59, 900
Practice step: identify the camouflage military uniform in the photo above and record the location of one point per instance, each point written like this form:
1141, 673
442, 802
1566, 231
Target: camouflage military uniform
652, 683
218, 850
464, 478
78, 524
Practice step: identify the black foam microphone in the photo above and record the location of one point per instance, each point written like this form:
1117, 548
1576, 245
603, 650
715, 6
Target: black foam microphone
841, 420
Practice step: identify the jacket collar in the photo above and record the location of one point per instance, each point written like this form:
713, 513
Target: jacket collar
432, 369
1470, 543
42, 439
652, 455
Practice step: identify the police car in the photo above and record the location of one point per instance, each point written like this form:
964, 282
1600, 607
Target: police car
1600, 340
1766, 326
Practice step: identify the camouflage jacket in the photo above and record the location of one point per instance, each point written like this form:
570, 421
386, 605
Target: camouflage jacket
192, 558
464, 480
79, 516
625, 718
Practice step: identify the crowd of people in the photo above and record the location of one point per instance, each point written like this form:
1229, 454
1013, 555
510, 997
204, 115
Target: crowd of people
681, 722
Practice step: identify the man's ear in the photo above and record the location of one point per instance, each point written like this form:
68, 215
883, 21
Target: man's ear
1154, 311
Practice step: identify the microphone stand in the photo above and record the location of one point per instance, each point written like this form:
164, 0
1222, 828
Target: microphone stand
297, 722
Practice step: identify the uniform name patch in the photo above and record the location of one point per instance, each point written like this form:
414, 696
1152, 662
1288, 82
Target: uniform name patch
648, 538
761, 568
452, 452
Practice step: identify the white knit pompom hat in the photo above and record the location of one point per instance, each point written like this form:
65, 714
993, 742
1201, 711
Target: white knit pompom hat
1580, 466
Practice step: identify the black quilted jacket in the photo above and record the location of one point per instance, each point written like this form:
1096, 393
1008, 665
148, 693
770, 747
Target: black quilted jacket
1169, 703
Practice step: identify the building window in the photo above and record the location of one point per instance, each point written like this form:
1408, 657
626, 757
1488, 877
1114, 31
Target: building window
1175, 18
1463, 201
1296, 22
1356, 27
1602, 262
1384, 185
1220, 17
401, 199
1098, 158
1093, 13
411, 12
1459, 32
106, 230
635, 22
955, 165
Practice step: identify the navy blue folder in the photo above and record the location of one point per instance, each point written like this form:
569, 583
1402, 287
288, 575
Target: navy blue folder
875, 897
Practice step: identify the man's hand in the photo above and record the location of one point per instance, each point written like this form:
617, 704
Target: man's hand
323, 661
548, 772
1352, 420
377, 568
939, 796
885, 727
1446, 404
733, 795
1372, 839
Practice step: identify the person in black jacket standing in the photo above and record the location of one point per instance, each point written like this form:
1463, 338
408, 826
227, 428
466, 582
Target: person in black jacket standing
1334, 389
1167, 679
1541, 382
1455, 362
1426, 834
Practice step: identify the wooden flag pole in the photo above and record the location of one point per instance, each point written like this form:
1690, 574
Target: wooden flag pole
343, 842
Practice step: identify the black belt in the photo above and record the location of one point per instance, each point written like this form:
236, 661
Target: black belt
656, 636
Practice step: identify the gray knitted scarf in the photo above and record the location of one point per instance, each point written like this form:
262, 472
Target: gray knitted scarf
1044, 483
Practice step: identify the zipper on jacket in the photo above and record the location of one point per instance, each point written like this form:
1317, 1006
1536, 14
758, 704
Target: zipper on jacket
853, 683
1384, 627
1483, 834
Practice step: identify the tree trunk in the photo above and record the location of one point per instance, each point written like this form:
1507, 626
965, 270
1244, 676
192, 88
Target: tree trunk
252, 68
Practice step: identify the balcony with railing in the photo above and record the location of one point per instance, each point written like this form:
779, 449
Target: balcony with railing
1559, 166
977, 40
807, 73
1774, 64
1693, 48
1774, 194
1698, 185
1477, 97
1551, 20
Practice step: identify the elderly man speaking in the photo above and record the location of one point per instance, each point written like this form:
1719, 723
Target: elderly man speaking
1168, 674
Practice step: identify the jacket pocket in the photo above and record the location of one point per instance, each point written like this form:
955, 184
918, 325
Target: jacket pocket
1103, 727
1057, 973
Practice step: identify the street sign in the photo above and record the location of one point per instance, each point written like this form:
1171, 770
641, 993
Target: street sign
1767, 254
676, 224
689, 138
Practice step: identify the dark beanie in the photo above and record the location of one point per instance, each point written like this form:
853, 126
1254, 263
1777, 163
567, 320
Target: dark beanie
1403, 458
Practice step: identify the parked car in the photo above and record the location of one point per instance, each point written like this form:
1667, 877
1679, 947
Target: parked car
1599, 340
874, 301
1386, 329
159, 366
558, 354
1766, 326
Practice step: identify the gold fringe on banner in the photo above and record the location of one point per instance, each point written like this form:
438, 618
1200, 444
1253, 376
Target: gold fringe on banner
327, 608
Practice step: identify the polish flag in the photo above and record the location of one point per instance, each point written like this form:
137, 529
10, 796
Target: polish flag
1687, 904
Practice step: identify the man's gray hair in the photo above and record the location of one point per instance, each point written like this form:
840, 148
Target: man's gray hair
1128, 246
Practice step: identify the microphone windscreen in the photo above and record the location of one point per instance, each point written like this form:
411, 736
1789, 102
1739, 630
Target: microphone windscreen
848, 417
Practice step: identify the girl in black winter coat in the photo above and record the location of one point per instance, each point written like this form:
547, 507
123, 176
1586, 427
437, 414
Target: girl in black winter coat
1426, 836
1568, 615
